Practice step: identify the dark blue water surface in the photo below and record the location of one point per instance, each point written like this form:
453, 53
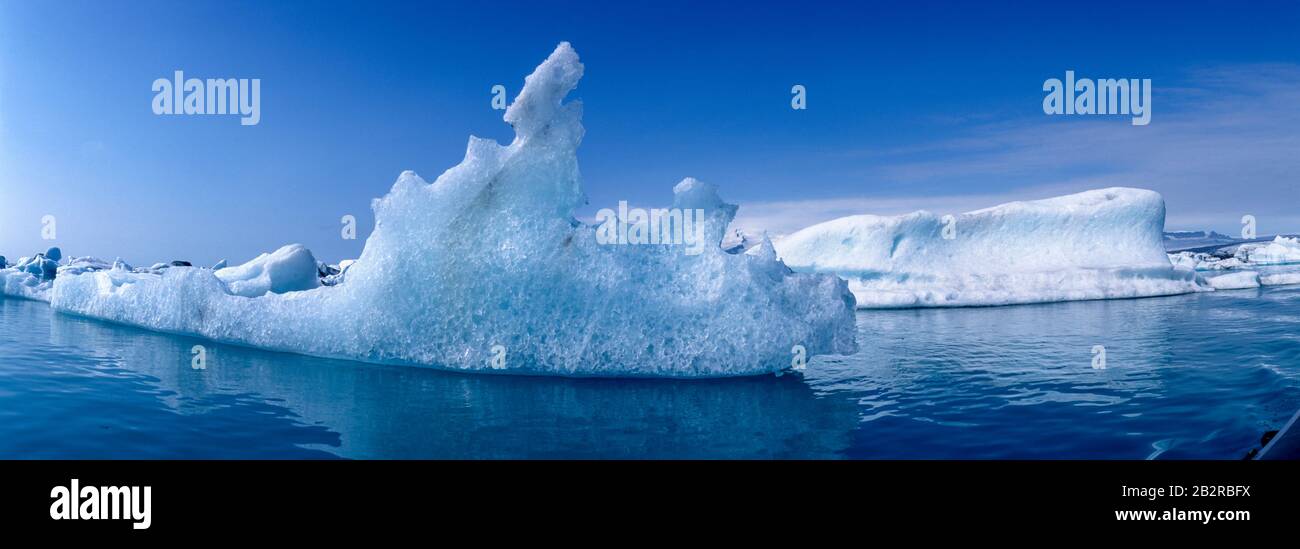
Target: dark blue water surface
1194, 376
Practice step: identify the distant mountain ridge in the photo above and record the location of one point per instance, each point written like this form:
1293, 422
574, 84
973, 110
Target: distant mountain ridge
1183, 240
1179, 235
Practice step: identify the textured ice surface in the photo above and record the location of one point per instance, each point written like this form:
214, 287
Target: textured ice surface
19, 283
81, 265
1185, 260
31, 277
1279, 278
1281, 250
1247, 265
1235, 280
288, 269
1201, 261
1098, 244
486, 269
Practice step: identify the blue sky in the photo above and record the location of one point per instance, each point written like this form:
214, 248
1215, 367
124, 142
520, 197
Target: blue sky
911, 105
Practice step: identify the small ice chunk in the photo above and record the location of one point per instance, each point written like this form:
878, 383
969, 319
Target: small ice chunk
291, 268
1236, 280
81, 265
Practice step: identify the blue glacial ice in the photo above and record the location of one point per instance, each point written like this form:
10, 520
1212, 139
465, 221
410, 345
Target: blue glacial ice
486, 269
1098, 244
16, 282
31, 277
291, 268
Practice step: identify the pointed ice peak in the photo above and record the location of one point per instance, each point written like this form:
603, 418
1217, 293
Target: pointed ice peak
693, 194
765, 249
538, 109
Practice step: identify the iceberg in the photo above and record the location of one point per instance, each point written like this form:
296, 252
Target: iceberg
21, 284
486, 269
1237, 280
1279, 279
1200, 261
1248, 265
1281, 251
1097, 244
82, 265
31, 277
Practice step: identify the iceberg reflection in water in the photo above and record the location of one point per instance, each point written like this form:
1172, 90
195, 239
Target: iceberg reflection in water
1198, 375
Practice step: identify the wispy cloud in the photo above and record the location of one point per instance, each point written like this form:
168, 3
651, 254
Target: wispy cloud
1223, 143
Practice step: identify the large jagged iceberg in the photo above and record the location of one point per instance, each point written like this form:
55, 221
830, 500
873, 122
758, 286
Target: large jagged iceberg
1097, 244
487, 269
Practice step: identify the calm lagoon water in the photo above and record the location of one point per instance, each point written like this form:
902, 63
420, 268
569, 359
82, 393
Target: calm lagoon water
1194, 376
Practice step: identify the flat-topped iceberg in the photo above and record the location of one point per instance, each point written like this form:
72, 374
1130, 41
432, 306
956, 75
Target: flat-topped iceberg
487, 269
1098, 244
